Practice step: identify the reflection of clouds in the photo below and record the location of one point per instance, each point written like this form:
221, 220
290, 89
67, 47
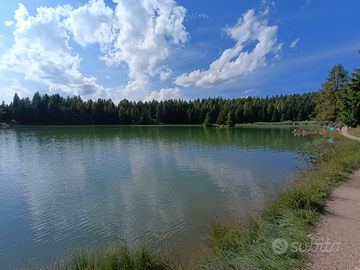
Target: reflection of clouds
96, 186
235, 182
54, 179
147, 194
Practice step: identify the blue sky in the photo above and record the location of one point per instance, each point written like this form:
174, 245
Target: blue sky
163, 49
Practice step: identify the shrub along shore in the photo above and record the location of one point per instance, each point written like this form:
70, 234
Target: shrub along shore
292, 216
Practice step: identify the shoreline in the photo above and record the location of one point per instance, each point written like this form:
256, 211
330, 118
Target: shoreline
278, 238
291, 217
340, 223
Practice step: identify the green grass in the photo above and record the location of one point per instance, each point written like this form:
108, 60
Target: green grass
117, 256
292, 216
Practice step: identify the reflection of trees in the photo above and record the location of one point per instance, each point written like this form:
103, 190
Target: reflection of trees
149, 182
248, 137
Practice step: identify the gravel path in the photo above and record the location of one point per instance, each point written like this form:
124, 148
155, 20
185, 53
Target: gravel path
339, 229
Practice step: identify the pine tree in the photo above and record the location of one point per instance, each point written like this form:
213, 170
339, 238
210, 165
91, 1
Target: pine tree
207, 122
330, 92
349, 102
230, 119
1, 114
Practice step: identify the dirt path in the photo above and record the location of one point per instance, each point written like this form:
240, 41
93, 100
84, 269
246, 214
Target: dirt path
345, 133
339, 229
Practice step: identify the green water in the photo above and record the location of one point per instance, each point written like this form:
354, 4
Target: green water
62, 187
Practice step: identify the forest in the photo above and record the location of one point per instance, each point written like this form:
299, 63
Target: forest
337, 100
54, 109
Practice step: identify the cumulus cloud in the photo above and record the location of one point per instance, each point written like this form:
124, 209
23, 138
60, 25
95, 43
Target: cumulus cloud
234, 62
92, 23
164, 75
8, 23
165, 94
42, 53
139, 33
21, 15
293, 44
145, 30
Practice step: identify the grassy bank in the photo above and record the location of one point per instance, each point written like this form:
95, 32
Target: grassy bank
291, 217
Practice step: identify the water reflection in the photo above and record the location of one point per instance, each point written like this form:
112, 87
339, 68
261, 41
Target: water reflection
63, 186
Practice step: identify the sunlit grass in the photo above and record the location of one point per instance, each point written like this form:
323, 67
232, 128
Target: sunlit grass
116, 257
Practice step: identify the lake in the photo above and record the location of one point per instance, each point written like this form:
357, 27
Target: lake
63, 187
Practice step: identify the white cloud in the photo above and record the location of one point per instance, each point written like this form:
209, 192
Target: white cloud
265, 12
21, 15
164, 75
139, 84
204, 16
8, 23
42, 53
293, 44
139, 33
234, 63
92, 23
165, 94
144, 32
249, 91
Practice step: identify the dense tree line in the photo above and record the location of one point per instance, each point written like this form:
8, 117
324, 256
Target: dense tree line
73, 110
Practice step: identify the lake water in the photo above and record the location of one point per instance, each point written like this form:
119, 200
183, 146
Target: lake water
63, 187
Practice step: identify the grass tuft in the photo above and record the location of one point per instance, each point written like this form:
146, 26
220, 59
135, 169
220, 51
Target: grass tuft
118, 256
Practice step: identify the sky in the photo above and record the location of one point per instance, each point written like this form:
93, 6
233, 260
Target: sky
166, 49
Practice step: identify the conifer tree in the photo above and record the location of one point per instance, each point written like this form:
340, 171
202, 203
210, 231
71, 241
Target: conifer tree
330, 92
349, 102
1, 114
230, 119
207, 122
